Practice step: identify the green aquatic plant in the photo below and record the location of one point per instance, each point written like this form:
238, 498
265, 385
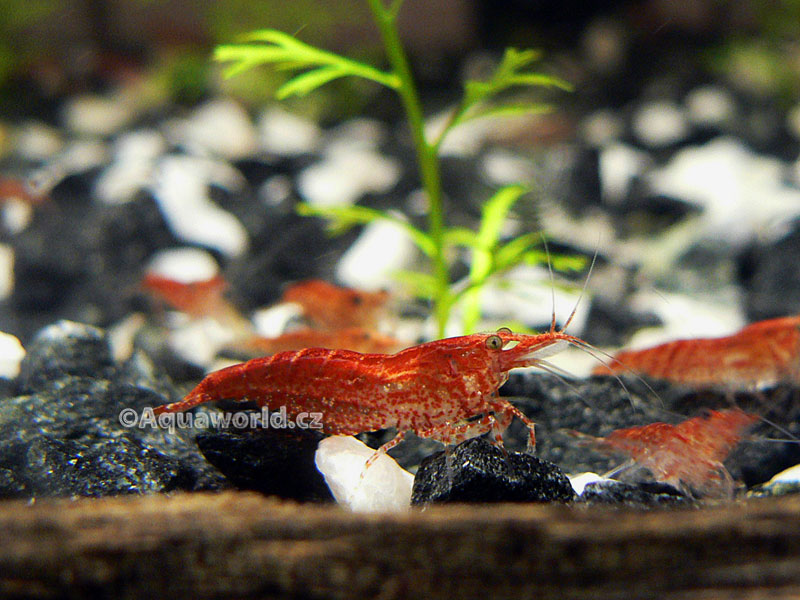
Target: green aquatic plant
313, 67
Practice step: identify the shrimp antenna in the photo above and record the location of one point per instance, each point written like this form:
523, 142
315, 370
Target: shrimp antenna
783, 430
583, 289
552, 284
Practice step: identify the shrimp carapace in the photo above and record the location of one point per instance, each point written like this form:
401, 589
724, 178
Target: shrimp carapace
331, 307
437, 389
762, 354
688, 455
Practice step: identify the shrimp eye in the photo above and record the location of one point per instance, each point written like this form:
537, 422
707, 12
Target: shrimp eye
504, 330
493, 342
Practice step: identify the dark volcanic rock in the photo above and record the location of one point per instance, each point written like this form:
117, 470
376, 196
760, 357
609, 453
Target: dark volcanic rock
476, 471
276, 462
644, 495
63, 435
61, 350
771, 278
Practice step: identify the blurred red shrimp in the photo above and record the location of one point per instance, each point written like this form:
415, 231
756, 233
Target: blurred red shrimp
760, 355
11, 188
198, 299
688, 455
328, 306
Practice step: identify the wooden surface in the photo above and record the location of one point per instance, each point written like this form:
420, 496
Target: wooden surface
241, 545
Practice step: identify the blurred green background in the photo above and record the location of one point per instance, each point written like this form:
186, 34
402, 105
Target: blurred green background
53, 47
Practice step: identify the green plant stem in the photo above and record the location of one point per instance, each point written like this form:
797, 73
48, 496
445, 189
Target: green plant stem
427, 156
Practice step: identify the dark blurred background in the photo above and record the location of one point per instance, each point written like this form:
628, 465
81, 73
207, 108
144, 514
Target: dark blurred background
49, 48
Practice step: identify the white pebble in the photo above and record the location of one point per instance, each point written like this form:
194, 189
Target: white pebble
346, 175
275, 190
36, 141
360, 134
11, 355
660, 124
122, 336
743, 194
601, 127
81, 155
6, 270
381, 250
96, 115
273, 321
790, 475
580, 481
221, 127
619, 164
285, 134
140, 145
181, 190
709, 105
120, 181
198, 340
384, 487
465, 140
16, 214
684, 316
185, 265
501, 167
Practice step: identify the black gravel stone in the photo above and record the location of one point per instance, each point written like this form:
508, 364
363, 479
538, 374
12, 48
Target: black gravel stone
63, 435
63, 349
82, 262
276, 462
476, 471
641, 495
771, 278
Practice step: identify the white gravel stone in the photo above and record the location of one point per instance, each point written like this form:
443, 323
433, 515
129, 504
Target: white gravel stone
619, 164
370, 263
465, 140
345, 175
221, 127
710, 105
790, 475
186, 265
36, 141
275, 190
683, 316
6, 270
81, 155
660, 124
285, 134
181, 190
143, 144
199, 340
16, 214
120, 181
95, 115
743, 194
385, 486
11, 355
580, 481
602, 127
273, 321
501, 167
359, 134
135, 154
